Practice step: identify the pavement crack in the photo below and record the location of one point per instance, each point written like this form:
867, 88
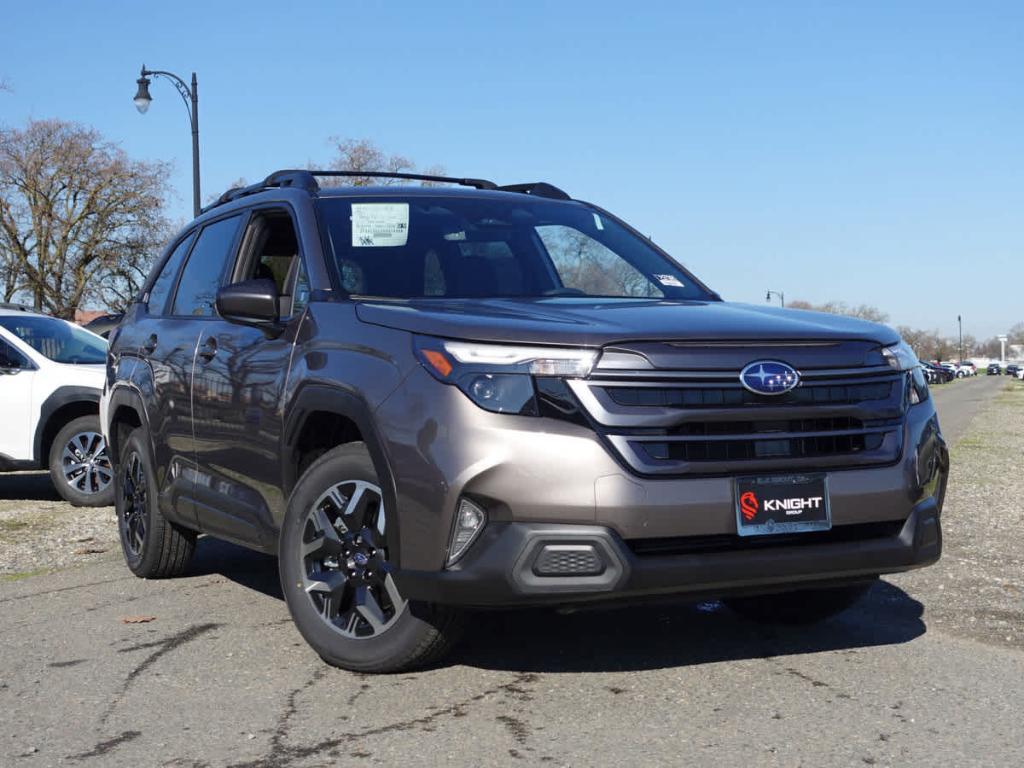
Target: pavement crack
103, 747
282, 755
163, 647
42, 592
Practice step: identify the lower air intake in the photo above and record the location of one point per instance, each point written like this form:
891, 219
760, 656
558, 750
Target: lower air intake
568, 560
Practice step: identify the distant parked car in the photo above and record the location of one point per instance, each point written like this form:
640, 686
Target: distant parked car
104, 324
937, 374
968, 368
1013, 370
51, 379
994, 369
954, 370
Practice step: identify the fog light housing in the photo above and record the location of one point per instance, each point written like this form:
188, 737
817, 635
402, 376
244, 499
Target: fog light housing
469, 521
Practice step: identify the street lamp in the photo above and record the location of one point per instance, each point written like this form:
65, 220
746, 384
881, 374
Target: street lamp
960, 324
781, 296
191, 98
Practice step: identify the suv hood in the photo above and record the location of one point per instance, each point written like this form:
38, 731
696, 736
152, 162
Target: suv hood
597, 322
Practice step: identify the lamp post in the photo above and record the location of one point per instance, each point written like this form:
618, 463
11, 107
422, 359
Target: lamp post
1002, 348
780, 295
960, 324
191, 98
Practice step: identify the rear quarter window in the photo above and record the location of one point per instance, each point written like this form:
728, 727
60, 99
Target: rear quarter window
156, 301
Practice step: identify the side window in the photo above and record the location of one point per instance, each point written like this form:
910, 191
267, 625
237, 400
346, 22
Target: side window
157, 299
11, 358
197, 288
585, 264
271, 251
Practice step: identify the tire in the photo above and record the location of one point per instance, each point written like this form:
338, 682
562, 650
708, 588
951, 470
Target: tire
153, 547
807, 606
332, 556
80, 465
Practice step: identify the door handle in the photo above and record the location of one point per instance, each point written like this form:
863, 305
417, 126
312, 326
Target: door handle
150, 346
208, 350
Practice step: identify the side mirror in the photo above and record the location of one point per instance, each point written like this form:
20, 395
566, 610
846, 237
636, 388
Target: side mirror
250, 302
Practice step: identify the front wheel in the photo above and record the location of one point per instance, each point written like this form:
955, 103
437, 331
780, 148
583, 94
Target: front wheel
336, 574
807, 606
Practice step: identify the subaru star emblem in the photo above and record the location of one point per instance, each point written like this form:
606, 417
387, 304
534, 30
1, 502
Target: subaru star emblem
768, 377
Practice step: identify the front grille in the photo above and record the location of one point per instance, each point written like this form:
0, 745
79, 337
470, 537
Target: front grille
704, 422
712, 397
759, 448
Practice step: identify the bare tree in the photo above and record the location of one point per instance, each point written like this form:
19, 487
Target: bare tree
1016, 334
863, 311
79, 220
363, 155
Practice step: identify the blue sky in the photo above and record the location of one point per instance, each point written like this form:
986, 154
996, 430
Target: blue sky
861, 151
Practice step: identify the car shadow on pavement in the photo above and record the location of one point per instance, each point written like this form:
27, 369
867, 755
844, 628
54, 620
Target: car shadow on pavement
662, 635
28, 486
245, 567
647, 636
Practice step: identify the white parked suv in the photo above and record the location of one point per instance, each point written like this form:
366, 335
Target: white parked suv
51, 379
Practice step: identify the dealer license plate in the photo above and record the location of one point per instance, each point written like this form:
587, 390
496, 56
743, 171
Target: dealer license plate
782, 504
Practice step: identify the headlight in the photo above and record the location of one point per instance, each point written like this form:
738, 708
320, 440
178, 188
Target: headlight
540, 361
900, 357
498, 377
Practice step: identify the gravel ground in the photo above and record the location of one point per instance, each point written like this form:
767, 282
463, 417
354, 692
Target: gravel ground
977, 588
40, 533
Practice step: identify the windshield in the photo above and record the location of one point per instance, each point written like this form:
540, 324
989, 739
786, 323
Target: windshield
470, 247
56, 339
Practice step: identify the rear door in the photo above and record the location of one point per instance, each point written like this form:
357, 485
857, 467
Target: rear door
179, 306
239, 377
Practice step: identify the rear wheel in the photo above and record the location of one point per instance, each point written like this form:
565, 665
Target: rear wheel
807, 606
336, 575
80, 464
154, 547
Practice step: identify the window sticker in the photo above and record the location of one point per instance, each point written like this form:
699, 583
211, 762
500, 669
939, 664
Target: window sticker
380, 225
670, 280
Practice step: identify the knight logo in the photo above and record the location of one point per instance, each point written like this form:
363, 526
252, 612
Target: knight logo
749, 505
792, 506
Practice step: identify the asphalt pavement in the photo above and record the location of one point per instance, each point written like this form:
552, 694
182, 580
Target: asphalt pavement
215, 674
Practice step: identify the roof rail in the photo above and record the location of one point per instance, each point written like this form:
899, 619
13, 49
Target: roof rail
476, 183
17, 306
538, 189
307, 180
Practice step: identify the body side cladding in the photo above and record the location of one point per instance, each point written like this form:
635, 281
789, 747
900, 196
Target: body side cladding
123, 396
311, 398
58, 399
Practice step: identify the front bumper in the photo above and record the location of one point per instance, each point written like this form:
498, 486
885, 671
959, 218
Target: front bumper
506, 566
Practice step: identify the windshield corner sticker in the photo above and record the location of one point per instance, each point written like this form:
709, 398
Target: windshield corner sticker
670, 280
379, 225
